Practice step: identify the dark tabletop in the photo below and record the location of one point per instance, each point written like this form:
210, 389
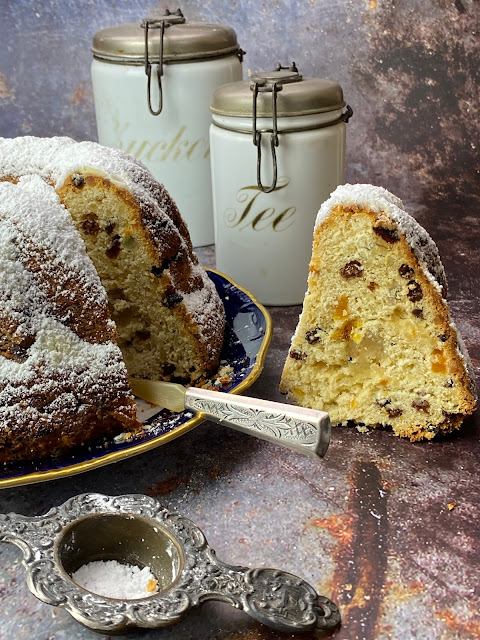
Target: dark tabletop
386, 528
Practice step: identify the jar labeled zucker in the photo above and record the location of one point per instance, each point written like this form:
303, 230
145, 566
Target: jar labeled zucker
277, 151
153, 85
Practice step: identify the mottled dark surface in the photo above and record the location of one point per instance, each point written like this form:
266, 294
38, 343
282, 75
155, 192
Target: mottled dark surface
370, 525
409, 69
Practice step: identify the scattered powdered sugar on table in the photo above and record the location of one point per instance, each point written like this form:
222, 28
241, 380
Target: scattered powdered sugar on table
112, 579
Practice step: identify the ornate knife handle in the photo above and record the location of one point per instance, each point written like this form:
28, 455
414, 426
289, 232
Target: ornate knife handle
303, 430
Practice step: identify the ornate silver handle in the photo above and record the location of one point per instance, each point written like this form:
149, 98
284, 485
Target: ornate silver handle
303, 430
275, 598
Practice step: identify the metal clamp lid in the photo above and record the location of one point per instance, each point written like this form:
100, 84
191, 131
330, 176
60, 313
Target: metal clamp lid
158, 23
270, 82
273, 82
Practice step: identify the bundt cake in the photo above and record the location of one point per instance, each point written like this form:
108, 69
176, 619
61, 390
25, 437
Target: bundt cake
169, 317
375, 344
162, 307
63, 381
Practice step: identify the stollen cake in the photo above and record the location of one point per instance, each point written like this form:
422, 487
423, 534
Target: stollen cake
117, 289
375, 344
63, 381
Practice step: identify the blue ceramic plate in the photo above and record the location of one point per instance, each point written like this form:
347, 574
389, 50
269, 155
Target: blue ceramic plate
247, 336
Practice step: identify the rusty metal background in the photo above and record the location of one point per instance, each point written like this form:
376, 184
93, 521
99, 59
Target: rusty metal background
388, 529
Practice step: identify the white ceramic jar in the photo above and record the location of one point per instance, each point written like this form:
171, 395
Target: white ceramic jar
157, 106
277, 152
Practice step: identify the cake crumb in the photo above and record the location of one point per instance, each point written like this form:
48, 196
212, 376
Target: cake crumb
152, 585
362, 429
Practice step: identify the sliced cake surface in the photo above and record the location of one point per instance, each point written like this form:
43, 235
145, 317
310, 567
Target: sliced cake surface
63, 381
375, 344
169, 317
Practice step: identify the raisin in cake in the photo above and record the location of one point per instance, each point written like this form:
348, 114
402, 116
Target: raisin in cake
168, 315
375, 344
63, 381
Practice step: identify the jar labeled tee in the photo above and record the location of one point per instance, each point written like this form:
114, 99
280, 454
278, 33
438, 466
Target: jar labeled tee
153, 84
277, 152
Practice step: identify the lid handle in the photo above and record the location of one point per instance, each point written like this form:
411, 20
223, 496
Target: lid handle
292, 67
263, 85
158, 23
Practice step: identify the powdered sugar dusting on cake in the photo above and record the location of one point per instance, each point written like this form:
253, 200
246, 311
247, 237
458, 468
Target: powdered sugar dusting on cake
32, 208
56, 159
380, 200
198, 303
51, 359
203, 303
58, 357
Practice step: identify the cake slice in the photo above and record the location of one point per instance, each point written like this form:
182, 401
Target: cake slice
375, 344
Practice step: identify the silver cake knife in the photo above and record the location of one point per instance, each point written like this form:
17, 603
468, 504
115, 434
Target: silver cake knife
303, 430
